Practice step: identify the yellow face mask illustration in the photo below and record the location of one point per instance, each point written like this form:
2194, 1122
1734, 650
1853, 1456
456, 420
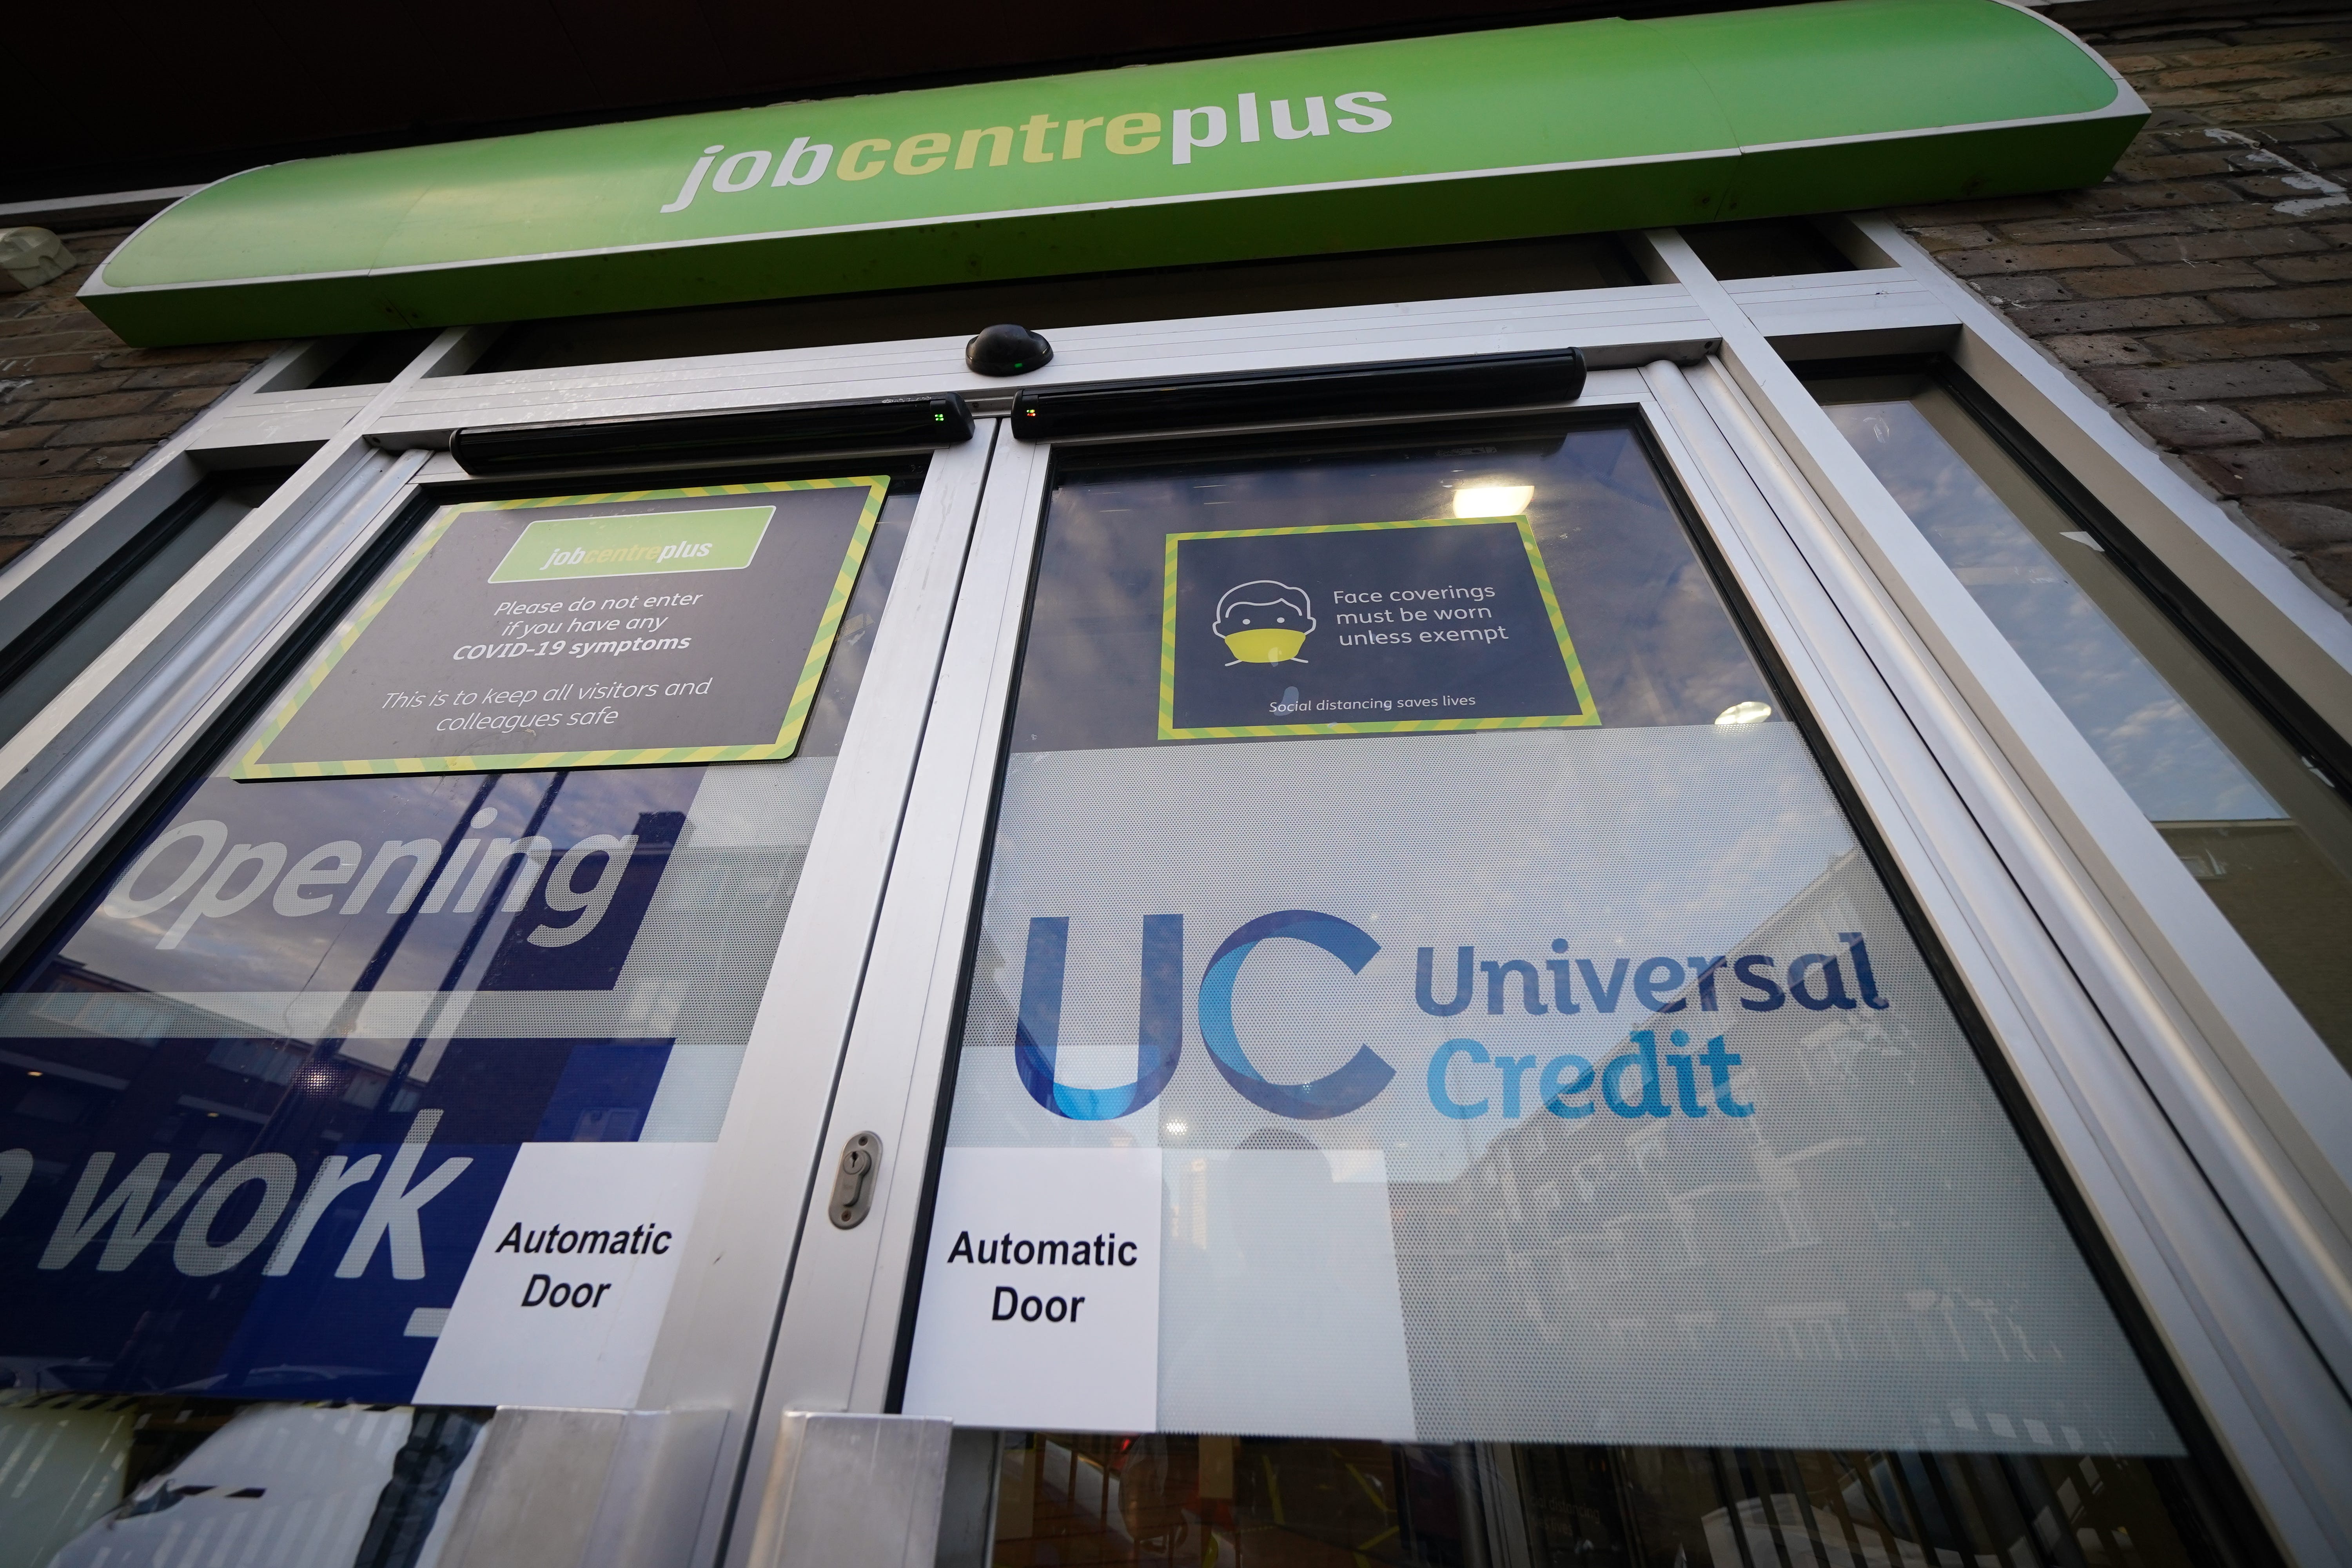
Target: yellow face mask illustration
1265, 621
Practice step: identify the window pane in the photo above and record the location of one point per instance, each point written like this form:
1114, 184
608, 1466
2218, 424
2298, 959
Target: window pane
376, 357
1085, 1498
2261, 829
1430, 1014
44, 660
320, 1052
1765, 247
108, 1479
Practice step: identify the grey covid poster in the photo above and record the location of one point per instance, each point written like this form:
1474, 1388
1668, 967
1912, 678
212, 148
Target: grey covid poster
1553, 1085
680, 626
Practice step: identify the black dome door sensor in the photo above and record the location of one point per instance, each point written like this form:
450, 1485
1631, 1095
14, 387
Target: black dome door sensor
1006, 350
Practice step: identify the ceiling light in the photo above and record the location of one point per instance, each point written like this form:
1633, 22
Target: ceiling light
1493, 501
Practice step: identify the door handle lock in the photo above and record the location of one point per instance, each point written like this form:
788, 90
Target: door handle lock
853, 1184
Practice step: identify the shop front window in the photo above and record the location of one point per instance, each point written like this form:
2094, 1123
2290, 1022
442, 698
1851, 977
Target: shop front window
1443, 1081
1065, 1497
2257, 823
42, 660
372, 1086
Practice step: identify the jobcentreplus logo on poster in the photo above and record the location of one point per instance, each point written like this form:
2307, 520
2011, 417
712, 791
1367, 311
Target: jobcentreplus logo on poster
1177, 133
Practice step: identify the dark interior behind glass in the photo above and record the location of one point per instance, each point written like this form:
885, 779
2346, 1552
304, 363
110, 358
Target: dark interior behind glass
1765, 247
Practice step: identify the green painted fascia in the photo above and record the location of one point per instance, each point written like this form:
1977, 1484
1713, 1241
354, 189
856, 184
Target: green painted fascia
1564, 129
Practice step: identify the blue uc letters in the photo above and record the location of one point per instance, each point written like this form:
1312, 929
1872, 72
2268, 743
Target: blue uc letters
1160, 1024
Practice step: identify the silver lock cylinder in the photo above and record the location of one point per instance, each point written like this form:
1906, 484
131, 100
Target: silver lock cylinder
853, 1184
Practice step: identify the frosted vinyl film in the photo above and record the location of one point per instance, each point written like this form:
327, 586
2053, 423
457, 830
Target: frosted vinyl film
1633, 1194
1279, 1295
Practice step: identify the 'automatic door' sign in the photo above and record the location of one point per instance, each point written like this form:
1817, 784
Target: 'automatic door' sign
686, 626
1364, 628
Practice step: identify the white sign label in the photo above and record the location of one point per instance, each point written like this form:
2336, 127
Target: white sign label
1041, 1291
567, 1290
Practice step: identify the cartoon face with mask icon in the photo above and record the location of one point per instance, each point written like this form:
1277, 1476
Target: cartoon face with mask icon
1265, 621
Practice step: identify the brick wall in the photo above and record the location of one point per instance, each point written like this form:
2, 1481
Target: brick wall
77, 407
2205, 289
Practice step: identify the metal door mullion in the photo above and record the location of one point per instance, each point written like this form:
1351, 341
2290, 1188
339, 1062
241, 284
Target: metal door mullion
135, 714
738, 1251
837, 1337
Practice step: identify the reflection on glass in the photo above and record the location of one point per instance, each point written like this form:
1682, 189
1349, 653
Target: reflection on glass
1065, 1497
264, 1096
41, 663
1544, 1133
2261, 829
181, 1481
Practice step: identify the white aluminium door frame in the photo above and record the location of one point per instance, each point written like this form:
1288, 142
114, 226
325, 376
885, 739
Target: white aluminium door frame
2262, 1099
136, 714
2237, 1343
2193, 1116
2235, 1070
2246, 1352
770, 1151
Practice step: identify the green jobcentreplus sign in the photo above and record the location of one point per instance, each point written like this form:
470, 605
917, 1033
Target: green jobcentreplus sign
1562, 128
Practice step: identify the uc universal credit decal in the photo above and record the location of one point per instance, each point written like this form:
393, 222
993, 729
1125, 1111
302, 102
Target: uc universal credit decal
1541, 1085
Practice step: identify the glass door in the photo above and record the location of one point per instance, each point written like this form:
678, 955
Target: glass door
375, 1082
1438, 1077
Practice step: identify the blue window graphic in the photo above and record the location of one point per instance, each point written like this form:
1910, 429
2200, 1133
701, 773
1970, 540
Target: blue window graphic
1160, 1024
